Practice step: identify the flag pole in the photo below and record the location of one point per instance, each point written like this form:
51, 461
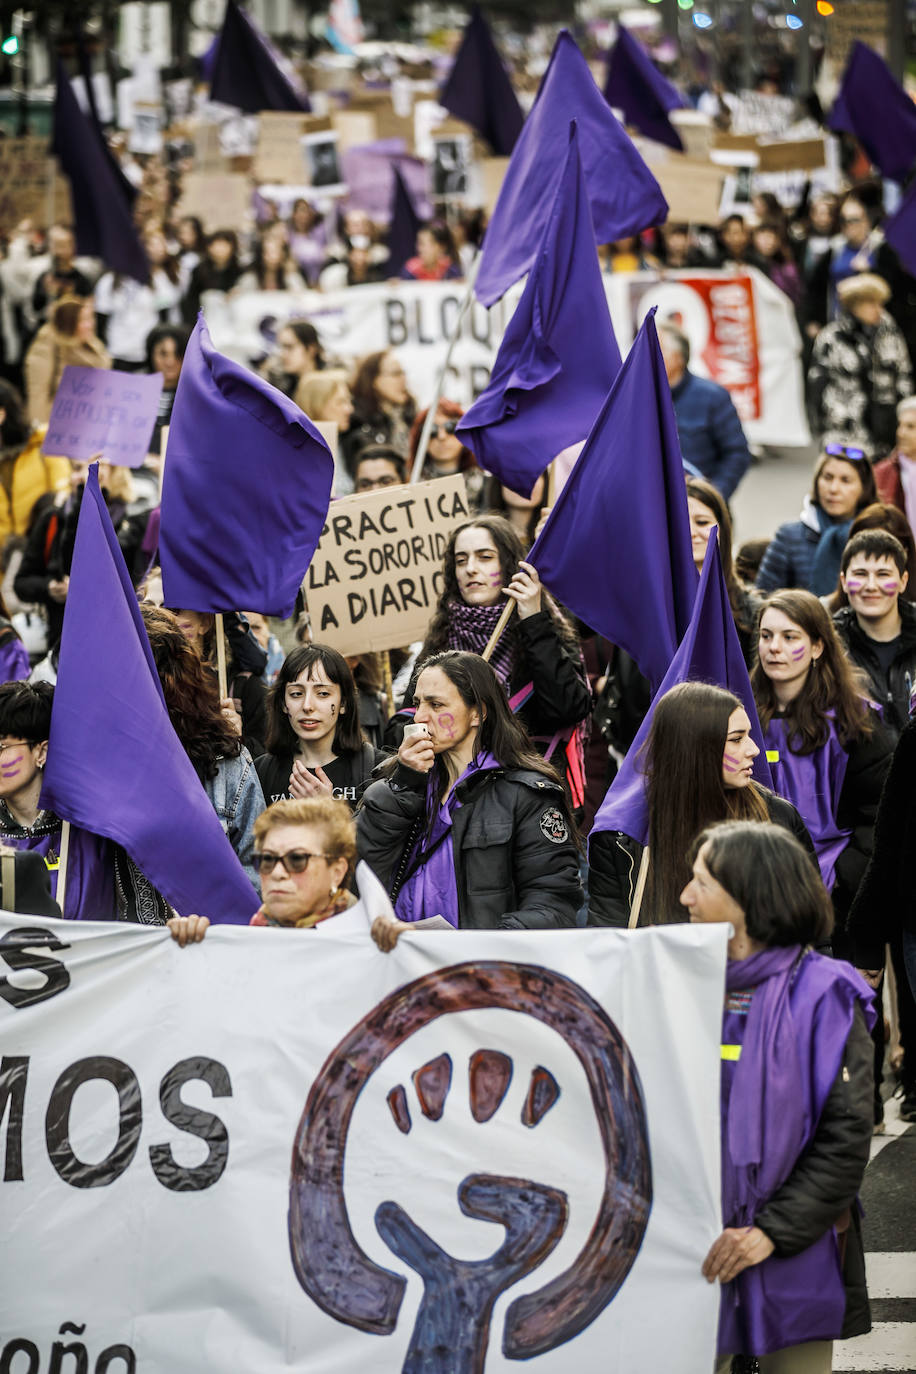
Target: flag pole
385, 657
164, 443
501, 624
221, 657
440, 382
62, 865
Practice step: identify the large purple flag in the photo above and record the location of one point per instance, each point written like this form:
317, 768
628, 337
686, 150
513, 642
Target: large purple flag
115, 765
478, 89
558, 357
246, 71
636, 86
874, 106
102, 204
245, 491
709, 652
402, 229
624, 195
900, 230
616, 546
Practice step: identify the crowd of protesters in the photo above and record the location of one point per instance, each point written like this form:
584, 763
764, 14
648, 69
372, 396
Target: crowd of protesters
470, 786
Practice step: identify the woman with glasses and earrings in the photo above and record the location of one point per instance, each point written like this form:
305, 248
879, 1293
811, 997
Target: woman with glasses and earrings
305, 853
315, 744
446, 455
807, 552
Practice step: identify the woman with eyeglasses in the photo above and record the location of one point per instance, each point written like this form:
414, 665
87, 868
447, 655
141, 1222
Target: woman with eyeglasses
383, 408
305, 853
446, 455
315, 743
807, 552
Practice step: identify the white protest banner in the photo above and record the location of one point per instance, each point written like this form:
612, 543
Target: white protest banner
274, 1150
377, 572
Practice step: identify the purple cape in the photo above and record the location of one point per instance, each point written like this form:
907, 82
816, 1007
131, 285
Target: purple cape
812, 783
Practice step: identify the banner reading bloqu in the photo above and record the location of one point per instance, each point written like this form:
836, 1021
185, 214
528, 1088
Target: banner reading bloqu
280, 1150
377, 572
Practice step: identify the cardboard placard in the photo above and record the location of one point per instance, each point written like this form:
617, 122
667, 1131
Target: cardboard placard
492, 176
355, 128
279, 151
208, 155
792, 155
377, 572
221, 200
99, 411
31, 186
692, 189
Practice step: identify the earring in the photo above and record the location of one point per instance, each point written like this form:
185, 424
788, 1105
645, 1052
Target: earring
40, 766
332, 894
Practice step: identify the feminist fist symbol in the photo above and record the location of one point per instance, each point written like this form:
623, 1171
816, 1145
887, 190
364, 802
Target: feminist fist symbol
452, 1327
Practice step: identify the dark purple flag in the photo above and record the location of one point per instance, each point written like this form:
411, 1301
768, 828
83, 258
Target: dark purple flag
115, 765
616, 546
402, 229
478, 89
558, 357
709, 652
624, 195
874, 106
246, 72
900, 230
102, 206
636, 86
245, 492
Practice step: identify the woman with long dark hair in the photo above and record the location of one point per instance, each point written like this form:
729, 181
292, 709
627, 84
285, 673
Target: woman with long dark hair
707, 507
827, 749
383, 408
470, 824
698, 761
315, 743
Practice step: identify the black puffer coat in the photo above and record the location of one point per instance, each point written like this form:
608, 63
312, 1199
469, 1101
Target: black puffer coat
891, 688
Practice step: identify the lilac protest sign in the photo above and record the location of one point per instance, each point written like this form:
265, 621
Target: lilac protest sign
99, 411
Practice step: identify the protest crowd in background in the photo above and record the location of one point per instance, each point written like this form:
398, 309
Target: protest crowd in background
311, 560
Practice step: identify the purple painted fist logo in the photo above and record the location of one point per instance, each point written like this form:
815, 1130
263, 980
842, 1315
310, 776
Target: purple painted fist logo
452, 1327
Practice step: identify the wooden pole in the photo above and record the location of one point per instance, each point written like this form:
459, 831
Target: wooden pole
385, 657
501, 624
440, 382
164, 443
62, 866
221, 657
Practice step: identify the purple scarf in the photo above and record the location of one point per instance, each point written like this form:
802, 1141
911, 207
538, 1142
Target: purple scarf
812, 783
470, 627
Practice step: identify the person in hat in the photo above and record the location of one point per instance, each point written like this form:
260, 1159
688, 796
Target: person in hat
860, 369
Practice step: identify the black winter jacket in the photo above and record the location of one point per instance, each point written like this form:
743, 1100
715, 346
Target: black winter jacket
869, 760
349, 774
891, 689
614, 860
886, 900
516, 863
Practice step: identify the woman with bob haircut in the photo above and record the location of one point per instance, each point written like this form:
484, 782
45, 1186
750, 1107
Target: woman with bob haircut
827, 749
305, 852
698, 760
796, 1090
469, 823
537, 658
315, 744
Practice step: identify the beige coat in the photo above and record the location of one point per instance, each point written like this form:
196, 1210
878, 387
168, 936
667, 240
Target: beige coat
45, 361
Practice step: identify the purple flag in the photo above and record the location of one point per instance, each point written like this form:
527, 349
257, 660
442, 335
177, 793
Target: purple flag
402, 229
478, 89
624, 195
709, 652
616, 546
558, 357
247, 71
635, 85
102, 206
874, 106
115, 765
246, 489
900, 230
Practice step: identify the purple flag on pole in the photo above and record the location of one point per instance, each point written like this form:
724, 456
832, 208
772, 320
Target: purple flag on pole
115, 765
624, 195
616, 546
102, 205
874, 106
247, 72
709, 652
636, 86
558, 357
402, 230
478, 89
246, 489
900, 230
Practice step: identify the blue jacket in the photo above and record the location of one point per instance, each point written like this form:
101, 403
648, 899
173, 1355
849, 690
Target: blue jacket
237, 799
710, 432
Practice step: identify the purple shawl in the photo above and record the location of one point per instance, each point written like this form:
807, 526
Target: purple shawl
795, 1034
470, 627
812, 783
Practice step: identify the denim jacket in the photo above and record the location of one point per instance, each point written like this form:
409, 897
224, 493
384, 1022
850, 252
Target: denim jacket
237, 799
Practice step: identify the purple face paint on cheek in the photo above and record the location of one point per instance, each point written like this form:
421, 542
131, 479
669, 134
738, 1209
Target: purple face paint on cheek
730, 763
890, 588
853, 585
496, 579
446, 723
799, 652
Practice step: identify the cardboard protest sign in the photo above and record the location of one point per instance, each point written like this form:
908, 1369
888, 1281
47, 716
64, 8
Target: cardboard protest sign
279, 152
377, 571
692, 189
792, 154
97, 411
31, 186
355, 128
221, 200
194, 1198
